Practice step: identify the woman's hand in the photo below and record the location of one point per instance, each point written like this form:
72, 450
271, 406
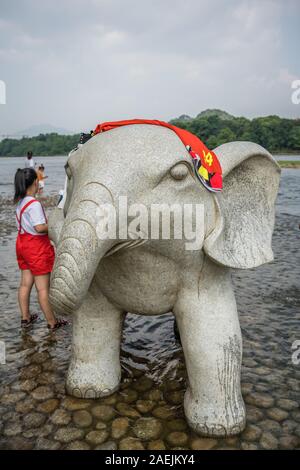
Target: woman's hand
41, 228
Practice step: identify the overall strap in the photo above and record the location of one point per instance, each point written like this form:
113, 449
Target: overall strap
21, 212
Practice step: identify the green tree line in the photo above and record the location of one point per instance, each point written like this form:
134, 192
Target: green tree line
272, 132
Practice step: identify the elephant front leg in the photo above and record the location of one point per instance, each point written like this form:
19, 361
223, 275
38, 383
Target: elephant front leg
95, 369
212, 344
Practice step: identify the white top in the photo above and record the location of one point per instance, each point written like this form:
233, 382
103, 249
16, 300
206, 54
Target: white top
33, 215
29, 163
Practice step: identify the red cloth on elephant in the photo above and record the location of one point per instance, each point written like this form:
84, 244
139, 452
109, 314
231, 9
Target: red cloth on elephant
206, 163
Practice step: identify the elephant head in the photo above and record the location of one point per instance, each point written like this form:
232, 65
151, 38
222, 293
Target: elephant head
150, 164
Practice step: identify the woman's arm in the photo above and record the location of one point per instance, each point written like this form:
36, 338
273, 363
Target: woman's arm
41, 228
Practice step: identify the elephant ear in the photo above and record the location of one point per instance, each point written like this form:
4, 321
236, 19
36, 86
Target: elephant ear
242, 234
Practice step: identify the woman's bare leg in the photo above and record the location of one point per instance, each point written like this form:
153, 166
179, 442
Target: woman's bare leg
42, 287
26, 284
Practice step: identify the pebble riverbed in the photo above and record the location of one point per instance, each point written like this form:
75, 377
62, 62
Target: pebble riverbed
147, 411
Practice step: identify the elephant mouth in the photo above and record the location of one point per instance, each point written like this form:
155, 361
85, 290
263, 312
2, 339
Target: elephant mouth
125, 245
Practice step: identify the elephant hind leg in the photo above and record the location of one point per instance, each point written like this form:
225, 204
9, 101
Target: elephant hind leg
94, 369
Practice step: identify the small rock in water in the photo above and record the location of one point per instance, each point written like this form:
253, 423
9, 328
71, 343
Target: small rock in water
251, 433
127, 410
177, 424
119, 427
288, 442
131, 443
96, 437
73, 404
12, 429
277, 414
31, 371
78, 445
34, 420
47, 444
108, 445
262, 400
143, 384
82, 418
287, 405
103, 412
144, 406
268, 441
203, 443
48, 406
42, 393
12, 398
156, 445
129, 395
177, 438
25, 406
27, 385
254, 414
61, 417
147, 428
164, 412
68, 434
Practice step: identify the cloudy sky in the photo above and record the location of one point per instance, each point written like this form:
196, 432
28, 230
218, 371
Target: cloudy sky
74, 63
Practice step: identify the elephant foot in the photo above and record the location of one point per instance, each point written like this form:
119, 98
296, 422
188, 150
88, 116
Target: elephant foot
214, 420
89, 381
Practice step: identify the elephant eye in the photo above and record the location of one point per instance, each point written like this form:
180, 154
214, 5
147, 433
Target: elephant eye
179, 171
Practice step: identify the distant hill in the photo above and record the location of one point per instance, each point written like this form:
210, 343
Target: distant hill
215, 112
38, 129
213, 126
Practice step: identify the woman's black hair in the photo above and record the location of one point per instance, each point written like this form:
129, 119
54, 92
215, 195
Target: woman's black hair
24, 178
29, 155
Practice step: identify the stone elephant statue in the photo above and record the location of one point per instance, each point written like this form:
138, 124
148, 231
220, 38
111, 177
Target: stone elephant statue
99, 280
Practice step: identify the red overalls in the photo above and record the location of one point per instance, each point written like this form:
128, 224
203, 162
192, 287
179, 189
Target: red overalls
34, 252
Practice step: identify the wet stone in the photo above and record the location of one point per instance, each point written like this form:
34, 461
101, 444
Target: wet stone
131, 443
25, 406
39, 357
248, 446
34, 420
127, 410
46, 378
60, 417
268, 441
203, 443
147, 428
82, 418
103, 412
154, 395
12, 398
27, 385
288, 426
96, 437
254, 414
277, 414
42, 393
175, 398
48, 406
270, 425
68, 434
108, 445
129, 395
286, 404
262, 400
246, 388
296, 415
119, 427
144, 406
20, 443
158, 444
78, 445
31, 371
177, 438
73, 404
177, 424
251, 433
143, 384
12, 429
110, 400
288, 442
11, 416
164, 412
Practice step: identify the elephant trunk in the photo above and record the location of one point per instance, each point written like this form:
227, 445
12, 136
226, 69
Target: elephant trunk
79, 249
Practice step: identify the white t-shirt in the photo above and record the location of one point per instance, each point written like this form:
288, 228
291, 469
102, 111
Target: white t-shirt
29, 163
33, 215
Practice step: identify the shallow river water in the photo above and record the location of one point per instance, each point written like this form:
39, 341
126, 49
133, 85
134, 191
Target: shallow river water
147, 411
